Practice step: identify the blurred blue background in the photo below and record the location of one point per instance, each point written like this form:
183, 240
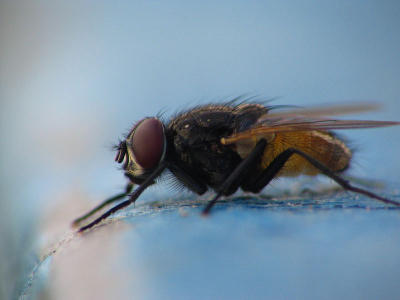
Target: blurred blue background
76, 75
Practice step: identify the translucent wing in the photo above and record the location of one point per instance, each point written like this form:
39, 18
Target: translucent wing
308, 120
319, 111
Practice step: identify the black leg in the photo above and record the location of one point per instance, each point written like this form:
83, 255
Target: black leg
276, 165
240, 169
77, 221
146, 183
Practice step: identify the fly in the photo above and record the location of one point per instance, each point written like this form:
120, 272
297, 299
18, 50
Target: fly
230, 146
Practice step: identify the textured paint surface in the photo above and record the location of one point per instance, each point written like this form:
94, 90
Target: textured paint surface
333, 246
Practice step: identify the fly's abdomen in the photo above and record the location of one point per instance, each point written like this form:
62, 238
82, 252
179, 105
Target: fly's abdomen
322, 146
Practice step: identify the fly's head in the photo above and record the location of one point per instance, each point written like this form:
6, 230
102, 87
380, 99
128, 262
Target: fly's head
143, 149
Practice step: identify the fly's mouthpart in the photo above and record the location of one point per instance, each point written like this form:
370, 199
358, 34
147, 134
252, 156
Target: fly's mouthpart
122, 151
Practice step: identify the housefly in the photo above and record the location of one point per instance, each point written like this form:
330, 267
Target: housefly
237, 145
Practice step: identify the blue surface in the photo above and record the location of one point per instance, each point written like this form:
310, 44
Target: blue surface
328, 247
270, 255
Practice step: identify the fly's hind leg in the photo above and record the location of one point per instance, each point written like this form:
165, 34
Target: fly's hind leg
128, 189
277, 164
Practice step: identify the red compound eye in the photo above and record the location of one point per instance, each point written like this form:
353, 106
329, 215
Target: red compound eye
148, 142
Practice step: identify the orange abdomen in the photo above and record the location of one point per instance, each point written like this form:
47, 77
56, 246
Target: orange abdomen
323, 146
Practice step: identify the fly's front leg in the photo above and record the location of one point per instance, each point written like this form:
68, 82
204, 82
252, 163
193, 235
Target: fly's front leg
128, 189
132, 197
